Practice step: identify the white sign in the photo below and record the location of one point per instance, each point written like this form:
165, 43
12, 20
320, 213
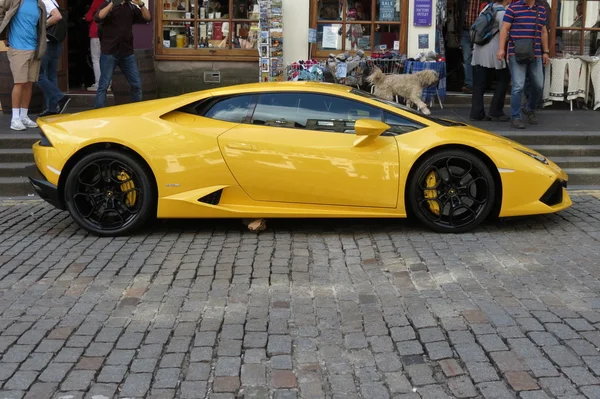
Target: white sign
396, 45
341, 70
330, 37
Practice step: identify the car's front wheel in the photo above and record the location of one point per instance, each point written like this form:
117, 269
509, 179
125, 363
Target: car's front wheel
451, 191
110, 193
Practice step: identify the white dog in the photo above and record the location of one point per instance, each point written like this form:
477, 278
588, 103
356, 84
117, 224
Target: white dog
408, 86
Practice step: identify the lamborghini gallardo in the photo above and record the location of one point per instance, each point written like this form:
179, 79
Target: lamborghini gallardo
285, 150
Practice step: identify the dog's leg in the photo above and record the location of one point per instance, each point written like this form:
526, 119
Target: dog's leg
416, 99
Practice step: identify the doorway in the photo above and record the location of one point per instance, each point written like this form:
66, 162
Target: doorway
75, 72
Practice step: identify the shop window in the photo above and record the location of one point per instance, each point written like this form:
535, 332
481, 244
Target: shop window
352, 25
577, 27
211, 29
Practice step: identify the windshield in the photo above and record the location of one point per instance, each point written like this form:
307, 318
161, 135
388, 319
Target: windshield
439, 121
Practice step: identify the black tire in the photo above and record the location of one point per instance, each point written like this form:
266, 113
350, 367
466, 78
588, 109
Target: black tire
109, 193
459, 196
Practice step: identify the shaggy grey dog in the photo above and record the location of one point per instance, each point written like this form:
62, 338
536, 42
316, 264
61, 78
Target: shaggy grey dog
408, 86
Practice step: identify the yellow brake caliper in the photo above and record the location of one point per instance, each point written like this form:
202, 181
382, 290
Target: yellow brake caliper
431, 182
128, 187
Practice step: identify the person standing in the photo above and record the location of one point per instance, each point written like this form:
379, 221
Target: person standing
23, 28
56, 101
116, 44
524, 24
94, 42
484, 63
469, 11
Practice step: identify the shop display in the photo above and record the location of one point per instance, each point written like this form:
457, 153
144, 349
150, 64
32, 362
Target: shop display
270, 45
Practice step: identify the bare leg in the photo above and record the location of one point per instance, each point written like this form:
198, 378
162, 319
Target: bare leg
17, 95
26, 98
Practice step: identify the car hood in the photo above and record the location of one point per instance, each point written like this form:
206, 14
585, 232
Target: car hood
490, 138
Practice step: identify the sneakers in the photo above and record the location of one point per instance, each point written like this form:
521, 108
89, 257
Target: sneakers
517, 123
46, 113
530, 116
502, 118
93, 87
467, 89
28, 122
62, 104
16, 124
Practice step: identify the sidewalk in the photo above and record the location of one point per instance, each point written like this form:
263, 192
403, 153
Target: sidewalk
551, 120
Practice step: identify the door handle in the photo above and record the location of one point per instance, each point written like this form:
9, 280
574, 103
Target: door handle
242, 146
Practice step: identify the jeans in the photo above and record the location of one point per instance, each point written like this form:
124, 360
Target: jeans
527, 91
480, 74
520, 73
128, 65
465, 43
95, 51
48, 80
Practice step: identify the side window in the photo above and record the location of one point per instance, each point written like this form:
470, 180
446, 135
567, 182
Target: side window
312, 111
233, 109
399, 124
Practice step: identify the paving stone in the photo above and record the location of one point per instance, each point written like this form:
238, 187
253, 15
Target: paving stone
55, 372
420, 374
388, 362
36, 362
494, 390
481, 372
462, 387
255, 340
166, 378
398, 383
491, 343
557, 386
431, 335
227, 367
280, 345
226, 384
561, 356
41, 390
543, 339
198, 372
438, 350
21, 381
579, 324
375, 391
193, 389
580, 376
381, 344
255, 355
407, 348
470, 353
253, 374
78, 380
562, 331
521, 381
283, 379
508, 361
281, 362
533, 395
403, 333
591, 392
136, 385
112, 374
451, 368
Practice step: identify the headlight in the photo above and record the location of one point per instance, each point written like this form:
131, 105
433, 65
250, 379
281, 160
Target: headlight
534, 156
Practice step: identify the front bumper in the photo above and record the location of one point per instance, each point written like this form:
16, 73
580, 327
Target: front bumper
46, 190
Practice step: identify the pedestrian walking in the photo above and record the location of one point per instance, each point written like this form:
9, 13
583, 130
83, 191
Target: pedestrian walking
55, 100
94, 42
524, 29
117, 18
468, 13
485, 63
23, 29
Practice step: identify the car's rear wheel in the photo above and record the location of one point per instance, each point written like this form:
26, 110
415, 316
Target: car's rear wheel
451, 191
110, 193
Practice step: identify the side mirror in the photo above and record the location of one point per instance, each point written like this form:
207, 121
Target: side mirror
368, 130
370, 127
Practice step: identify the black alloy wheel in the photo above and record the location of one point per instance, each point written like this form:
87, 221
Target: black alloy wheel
109, 193
451, 191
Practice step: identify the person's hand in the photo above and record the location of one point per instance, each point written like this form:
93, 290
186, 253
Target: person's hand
545, 59
500, 54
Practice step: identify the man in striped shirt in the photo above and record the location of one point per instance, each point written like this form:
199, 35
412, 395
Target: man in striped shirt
520, 23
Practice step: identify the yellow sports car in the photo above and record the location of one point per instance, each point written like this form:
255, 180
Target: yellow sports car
285, 150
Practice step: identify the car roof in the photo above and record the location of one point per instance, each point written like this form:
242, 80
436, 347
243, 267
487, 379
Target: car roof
280, 86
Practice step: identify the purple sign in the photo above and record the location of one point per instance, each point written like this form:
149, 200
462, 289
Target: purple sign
422, 15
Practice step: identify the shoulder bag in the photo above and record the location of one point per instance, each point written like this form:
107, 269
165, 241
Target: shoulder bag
58, 32
525, 48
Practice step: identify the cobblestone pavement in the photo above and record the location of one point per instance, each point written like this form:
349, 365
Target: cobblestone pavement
312, 309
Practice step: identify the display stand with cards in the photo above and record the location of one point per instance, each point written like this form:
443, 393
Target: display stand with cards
271, 41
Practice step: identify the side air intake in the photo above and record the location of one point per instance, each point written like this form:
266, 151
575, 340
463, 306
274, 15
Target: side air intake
212, 198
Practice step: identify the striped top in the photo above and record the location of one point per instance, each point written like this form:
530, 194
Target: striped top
522, 18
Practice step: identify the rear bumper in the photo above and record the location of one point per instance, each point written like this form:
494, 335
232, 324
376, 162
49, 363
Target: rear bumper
46, 190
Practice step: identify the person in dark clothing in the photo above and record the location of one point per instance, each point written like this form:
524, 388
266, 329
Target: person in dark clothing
116, 19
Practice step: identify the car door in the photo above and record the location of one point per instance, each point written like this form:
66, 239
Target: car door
299, 148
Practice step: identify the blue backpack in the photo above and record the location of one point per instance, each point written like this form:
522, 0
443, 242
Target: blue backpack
482, 31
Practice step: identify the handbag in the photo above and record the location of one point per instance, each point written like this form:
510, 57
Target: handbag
58, 32
525, 48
